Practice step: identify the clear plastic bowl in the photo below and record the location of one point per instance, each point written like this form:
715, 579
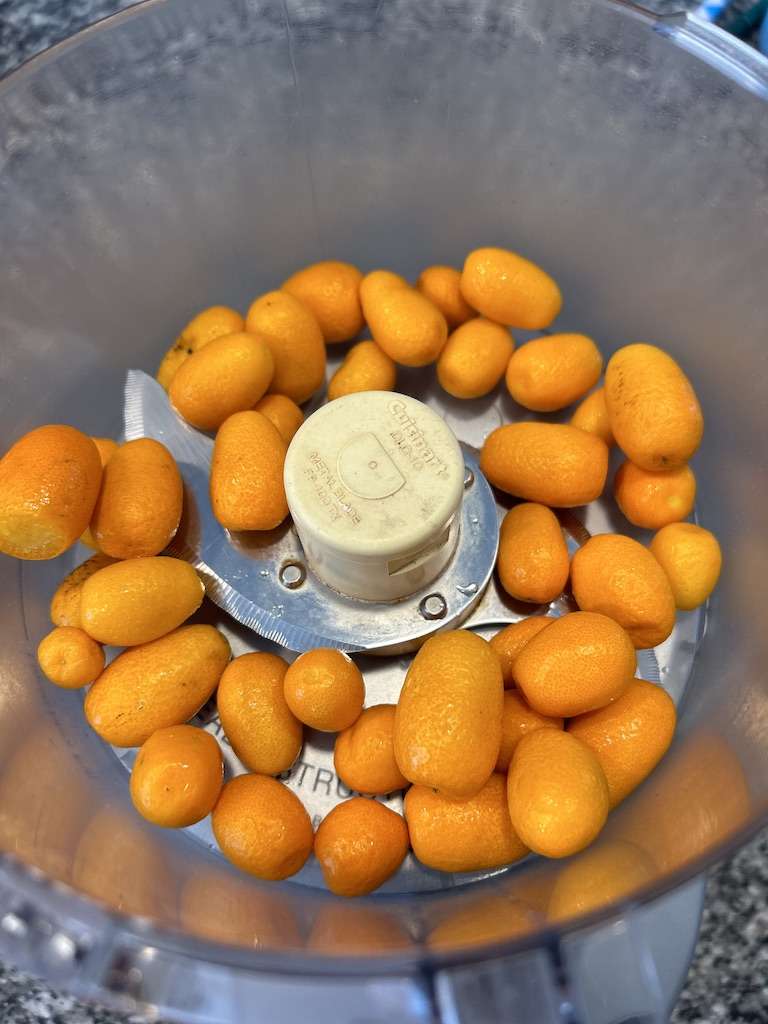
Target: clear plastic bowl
188, 152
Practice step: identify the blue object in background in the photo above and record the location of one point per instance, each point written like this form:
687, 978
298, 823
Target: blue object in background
762, 39
737, 18
712, 9
742, 19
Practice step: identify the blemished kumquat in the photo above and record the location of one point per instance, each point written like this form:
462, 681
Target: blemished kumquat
70, 658
533, 556
177, 776
364, 754
655, 414
262, 827
654, 498
360, 844
618, 577
463, 835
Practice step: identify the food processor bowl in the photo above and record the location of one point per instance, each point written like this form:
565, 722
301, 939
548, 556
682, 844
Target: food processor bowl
192, 152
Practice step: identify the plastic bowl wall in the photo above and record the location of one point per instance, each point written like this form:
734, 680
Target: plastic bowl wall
191, 152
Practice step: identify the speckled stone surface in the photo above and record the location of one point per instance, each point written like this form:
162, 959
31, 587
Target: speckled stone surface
728, 979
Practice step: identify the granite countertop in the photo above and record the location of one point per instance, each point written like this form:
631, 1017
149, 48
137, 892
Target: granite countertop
728, 979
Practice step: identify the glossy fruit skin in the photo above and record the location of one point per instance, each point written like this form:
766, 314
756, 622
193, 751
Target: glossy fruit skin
618, 577
330, 290
592, 415
406, 325
49, 481
654, 499
360, 844
177, 776
629, 737
364, 754
463, 835
138, 509
550, 463
366, 367
211, 323
106, 448
518, 719
69, 658
229, 375
655, 414
246, 484
262, 827
139, 600
510, 289
283, 413
156, 685
258, 723
554, 371
294, 336
691, 559
325, 689
65, 603
378, 283
509, 641
448, 718
581, 662
533, 556
441, 285
474, 358
557, 793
